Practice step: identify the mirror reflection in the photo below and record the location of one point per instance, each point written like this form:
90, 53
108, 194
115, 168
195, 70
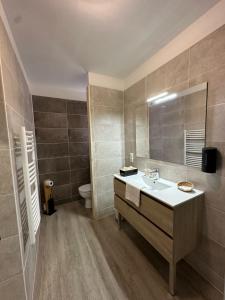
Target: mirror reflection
175, 130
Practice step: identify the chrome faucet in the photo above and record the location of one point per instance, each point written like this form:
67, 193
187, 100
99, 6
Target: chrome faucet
152, 173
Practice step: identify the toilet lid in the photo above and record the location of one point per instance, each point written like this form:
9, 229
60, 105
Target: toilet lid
85, 188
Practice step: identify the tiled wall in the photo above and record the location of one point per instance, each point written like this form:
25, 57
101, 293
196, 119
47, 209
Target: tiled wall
17, 266
107, 144
205, 61
62, 145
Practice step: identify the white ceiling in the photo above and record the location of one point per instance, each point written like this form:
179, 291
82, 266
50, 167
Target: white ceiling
59, 41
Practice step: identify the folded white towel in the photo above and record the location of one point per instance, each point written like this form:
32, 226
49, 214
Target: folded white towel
133, 193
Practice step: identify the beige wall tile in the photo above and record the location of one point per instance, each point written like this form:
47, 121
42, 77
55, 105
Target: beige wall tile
108, 115
104, 167
104, 150
108, 132
215, 123
208, 54
107, 97
4, 143
156, 82
176, 71
8, 221
136, 93
6, 186
10, 259
13, 288
29, 271
216, 85
214, 224
211, 254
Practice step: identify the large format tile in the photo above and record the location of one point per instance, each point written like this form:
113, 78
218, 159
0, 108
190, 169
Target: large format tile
216, 85
156, 82
51, 135
106, 97
50, 120
108, 149
107, 132
4, 142
79, 162
108, 166
107, 115
78, 149
80, 177
208, 54
78, 135
215, 123
77, 107
59, 178
210, 254
52, 150
77, 121
52, 165
46, 104
8, 221
10, 259
135, 94
176, 70
13, 288
214, 224
6, 185
62, 192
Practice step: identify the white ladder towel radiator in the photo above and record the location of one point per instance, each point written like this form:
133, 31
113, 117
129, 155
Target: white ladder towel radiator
30, 182
194, 141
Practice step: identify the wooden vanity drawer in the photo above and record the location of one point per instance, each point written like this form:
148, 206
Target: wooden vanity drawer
152, 209
158, 213
157, 238
119, 188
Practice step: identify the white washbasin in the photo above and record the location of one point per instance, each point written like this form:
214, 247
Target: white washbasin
155, 184
145, 182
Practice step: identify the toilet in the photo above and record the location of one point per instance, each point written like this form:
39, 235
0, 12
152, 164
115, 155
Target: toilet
85, 192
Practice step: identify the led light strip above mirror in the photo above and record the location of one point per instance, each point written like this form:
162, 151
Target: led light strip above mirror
166, 96
163, 97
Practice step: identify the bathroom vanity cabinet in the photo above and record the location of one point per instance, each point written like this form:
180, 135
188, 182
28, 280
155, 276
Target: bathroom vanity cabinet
172, 230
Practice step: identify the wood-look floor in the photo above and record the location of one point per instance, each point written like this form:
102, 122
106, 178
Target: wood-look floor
80, 258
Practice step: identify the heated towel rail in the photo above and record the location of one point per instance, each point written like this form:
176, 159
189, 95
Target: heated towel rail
30, 181
194, 141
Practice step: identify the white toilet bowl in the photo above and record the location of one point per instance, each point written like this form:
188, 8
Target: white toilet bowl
85, 192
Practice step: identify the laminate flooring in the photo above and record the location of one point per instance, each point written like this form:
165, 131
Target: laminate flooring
84, 259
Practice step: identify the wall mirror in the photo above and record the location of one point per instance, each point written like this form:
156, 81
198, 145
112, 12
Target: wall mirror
175, 130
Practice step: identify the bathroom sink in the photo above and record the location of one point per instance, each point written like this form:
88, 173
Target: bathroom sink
155, 184
145, 182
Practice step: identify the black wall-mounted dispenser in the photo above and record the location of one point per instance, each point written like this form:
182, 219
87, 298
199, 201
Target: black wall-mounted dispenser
209, 155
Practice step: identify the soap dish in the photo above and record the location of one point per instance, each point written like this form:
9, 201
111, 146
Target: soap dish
185, 186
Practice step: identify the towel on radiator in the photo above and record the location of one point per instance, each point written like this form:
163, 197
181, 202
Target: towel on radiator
133, 191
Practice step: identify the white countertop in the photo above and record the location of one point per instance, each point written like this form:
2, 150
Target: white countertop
171, 196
